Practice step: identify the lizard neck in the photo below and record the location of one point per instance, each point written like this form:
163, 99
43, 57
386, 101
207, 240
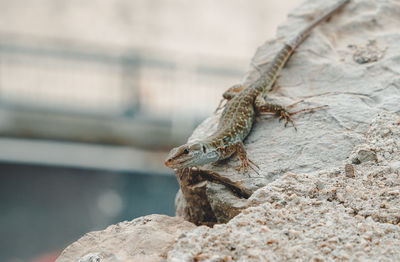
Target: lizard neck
210, 153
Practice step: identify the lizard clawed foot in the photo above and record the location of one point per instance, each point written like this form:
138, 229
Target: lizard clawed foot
246, 164
284, 114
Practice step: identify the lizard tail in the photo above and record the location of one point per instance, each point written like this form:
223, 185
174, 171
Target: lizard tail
299, 38
264, 84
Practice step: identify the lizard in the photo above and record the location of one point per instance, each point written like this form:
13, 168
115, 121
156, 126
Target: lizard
242, 106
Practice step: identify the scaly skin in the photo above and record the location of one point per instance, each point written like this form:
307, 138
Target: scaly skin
240, 111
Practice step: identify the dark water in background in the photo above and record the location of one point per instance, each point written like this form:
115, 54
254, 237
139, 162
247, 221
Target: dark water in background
43, 208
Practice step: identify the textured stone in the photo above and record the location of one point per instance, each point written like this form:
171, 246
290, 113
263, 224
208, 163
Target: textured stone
351, 65
316, 216
145, 239
315, 199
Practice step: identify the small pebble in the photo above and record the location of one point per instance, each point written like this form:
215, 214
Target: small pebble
320, 185
366, 155
395, 166
91, 257
387, 155
349, 169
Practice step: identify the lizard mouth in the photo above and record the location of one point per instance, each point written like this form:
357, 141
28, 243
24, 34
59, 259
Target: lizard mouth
169, 163
172, 164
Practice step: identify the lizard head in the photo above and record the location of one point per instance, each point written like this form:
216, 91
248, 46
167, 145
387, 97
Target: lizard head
190, 155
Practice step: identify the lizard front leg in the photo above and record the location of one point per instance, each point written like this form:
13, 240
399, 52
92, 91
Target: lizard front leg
238, 147
246, 162
229, 94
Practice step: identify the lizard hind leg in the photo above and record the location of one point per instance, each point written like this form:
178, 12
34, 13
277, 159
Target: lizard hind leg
299, 111
229, 94
282, 111
262, 106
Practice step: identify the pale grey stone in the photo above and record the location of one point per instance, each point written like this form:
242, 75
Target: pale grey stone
307, 210
295, 218
323, 72
146, 239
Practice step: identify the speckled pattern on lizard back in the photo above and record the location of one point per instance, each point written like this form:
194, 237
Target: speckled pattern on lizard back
243, 104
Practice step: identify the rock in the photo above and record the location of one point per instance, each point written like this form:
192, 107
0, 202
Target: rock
349, 170
224, 204
364, 155
310, 202
91, 257
180, 205
324, 216
146, 238
349, 64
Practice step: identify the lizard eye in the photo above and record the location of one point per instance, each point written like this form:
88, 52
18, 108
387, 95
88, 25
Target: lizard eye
204, 149
186, 151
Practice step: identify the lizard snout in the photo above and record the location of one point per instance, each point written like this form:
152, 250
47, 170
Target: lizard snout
168, 162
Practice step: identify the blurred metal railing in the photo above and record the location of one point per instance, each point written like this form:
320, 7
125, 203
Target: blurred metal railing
105, 90
79, 80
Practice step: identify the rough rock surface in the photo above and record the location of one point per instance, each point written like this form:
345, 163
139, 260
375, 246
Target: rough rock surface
351, 212
146, 239
328, 192
351, 64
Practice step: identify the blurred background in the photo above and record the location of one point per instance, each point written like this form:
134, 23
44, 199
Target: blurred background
94, 93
